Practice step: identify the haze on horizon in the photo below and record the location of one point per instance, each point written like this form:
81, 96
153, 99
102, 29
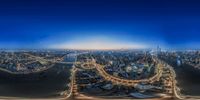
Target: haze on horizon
100, 24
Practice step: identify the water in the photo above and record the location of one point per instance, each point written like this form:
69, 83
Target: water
46, 84
38, 85
188, 78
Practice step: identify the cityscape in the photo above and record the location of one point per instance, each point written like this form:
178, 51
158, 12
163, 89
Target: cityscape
99, 50
100, 74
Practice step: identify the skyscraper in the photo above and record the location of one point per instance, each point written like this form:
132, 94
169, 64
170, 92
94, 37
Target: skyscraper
158, 49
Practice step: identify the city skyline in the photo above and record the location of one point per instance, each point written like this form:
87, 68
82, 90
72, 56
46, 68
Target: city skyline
101, 24
99, 49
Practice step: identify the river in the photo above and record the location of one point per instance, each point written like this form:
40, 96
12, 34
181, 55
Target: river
47, 84
188, 78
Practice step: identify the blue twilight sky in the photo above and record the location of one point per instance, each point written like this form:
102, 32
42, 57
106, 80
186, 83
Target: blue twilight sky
100, 23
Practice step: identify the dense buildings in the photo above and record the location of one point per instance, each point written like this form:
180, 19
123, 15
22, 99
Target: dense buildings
132, 74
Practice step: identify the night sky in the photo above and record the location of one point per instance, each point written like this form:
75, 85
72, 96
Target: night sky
107, 23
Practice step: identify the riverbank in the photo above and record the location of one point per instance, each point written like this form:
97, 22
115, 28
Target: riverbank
45, 84
187, 78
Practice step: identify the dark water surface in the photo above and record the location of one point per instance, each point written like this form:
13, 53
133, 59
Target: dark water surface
188, 78
44, 84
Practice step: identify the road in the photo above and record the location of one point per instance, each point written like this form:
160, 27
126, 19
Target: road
127, 82
26, 72
176, 90
73, 93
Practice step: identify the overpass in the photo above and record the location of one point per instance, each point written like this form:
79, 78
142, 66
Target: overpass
128, 82
118, 80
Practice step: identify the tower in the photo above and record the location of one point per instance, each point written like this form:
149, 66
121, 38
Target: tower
158, 50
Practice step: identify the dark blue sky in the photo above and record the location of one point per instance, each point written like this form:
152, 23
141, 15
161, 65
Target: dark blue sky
60, 23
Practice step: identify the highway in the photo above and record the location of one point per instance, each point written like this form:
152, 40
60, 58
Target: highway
127, 82
176, 93
73, 93
108, 77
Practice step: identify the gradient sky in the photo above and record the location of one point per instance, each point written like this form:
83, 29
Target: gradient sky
100, 23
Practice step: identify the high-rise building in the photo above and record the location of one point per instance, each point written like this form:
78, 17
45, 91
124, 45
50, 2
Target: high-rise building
158, 49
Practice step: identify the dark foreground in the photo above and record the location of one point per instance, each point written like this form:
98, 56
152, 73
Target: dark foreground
44, 84
188, 78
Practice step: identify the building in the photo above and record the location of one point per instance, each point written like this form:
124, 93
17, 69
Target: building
158, 50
